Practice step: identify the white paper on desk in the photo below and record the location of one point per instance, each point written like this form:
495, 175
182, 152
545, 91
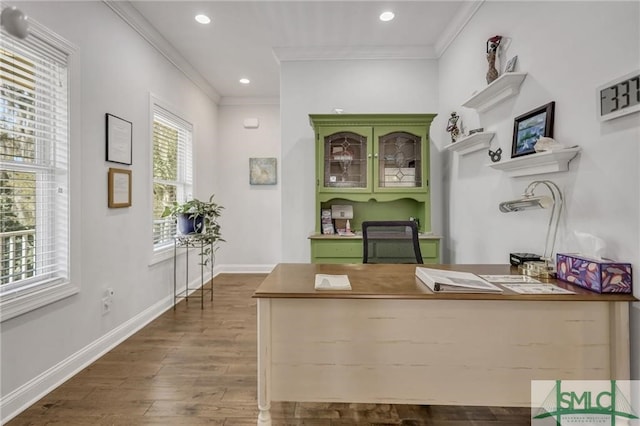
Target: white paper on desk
533, 288
514, 279
332, 282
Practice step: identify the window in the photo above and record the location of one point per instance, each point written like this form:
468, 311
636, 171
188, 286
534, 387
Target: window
34, 172
172, 170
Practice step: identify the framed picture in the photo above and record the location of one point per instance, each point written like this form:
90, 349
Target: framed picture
530, 127
119, 188
262, 171
119, 139
511, 65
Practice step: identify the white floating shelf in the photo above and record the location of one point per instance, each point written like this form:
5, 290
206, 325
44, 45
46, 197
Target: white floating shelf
538, 163
504, 87
471, 143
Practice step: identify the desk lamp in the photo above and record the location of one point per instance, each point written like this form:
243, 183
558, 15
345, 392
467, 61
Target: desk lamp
531, 201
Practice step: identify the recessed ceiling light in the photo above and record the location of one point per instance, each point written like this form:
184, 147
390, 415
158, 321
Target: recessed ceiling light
203, 19
387, 16
245, 81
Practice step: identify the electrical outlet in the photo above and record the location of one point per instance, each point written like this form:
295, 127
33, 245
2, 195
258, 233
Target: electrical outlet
106, 305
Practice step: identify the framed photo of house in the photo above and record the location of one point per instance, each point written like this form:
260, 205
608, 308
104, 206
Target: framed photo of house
119, 188
119, 139
531, 126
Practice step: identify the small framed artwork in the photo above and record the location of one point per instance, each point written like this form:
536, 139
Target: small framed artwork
511, 64
529, 127
119, 188
119, 139
262, 171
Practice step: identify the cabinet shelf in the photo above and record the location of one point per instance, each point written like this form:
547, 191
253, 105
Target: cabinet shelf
538, 163
504, 87
472, 143
387, 179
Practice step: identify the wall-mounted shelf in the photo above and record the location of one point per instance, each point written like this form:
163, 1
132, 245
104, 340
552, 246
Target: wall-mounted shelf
471, 143
504, 87
538, 163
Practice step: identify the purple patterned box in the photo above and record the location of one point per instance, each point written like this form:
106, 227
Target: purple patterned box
602, 276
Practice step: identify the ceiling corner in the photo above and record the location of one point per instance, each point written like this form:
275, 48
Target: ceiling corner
456, 26
128, 13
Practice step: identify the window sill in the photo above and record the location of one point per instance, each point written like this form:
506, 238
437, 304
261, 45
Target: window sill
12, 306
163, 254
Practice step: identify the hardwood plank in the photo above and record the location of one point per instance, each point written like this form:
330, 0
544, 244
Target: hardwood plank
198, 367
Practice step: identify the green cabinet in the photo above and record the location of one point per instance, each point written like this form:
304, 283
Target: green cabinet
378, 164
328, 249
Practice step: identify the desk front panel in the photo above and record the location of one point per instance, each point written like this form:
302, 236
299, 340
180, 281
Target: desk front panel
452, 352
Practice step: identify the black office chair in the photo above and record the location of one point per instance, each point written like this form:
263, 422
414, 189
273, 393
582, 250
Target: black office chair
390, 241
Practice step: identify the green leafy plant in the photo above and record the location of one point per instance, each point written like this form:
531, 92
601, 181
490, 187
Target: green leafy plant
204, 215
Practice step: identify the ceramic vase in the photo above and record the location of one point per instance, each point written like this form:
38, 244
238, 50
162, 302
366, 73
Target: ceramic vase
492, 74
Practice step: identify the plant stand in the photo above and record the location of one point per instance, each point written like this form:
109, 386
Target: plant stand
187, 242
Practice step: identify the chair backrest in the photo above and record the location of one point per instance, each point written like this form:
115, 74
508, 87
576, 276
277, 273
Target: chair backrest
392, 241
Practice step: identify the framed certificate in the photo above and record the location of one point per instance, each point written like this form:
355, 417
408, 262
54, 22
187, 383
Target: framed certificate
119, 188
119, 140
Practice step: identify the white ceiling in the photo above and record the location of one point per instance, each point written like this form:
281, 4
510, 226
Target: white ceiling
250, 38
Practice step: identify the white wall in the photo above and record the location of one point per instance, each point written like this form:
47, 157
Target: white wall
251, 219
568, 49
317, 87
118, 70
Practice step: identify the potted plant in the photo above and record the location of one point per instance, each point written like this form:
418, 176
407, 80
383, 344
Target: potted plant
197, 221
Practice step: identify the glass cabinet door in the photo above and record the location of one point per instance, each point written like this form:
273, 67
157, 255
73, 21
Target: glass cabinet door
345, 160
399, 160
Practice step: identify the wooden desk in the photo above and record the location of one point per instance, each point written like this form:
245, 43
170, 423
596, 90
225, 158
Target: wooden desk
390, 340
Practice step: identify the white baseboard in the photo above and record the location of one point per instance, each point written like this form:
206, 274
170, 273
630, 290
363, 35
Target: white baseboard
26, 395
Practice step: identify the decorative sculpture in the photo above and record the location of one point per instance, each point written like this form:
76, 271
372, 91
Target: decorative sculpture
452, 126
495, 155
492, 51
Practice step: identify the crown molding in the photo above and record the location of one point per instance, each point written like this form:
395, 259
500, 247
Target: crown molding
324, 53
456, 25
131, 16
242, 100
321, 53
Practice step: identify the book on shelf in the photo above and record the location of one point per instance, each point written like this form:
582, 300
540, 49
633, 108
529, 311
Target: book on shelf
445, 281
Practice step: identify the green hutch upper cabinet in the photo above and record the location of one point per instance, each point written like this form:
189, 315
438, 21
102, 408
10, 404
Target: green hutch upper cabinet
378, 163
372, 153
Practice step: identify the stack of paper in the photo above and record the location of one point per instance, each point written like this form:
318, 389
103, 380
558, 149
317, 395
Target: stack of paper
524, 284
332, 282
444, 281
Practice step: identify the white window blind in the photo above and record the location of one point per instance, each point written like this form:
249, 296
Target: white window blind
34, 166
172, 170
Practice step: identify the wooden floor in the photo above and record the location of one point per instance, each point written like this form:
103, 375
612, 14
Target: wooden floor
198, 367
